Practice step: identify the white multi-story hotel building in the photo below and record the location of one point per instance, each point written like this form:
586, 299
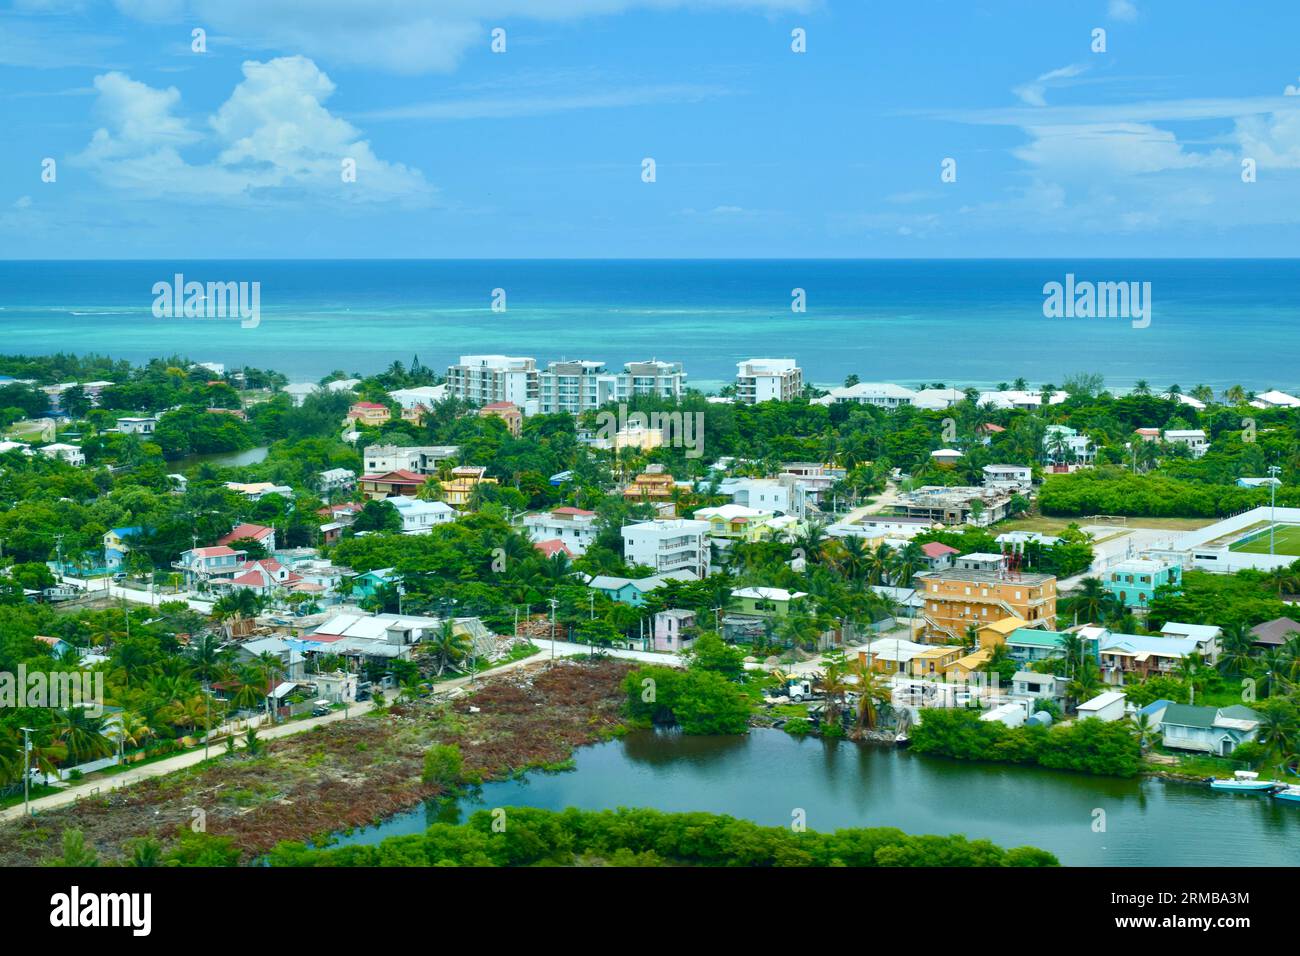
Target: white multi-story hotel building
673, 544
574, 387
765, 380
483, 379
661, 379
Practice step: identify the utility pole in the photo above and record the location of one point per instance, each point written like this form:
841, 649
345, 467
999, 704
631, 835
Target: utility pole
27, 770
1273, 472
553, 602
207, 721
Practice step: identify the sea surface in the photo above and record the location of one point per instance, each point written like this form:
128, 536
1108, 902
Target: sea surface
960, 322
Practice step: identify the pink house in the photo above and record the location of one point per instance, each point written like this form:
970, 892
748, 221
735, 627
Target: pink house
670, 626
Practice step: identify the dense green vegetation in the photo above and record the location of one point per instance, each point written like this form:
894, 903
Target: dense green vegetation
1086, 746
522, 836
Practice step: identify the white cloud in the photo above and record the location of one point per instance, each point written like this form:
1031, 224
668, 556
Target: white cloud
1114, 149
1034, 92
272, 137
538, 104
1122, 10
402, 36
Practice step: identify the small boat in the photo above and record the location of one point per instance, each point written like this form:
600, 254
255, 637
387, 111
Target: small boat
1242, 781
902, 740
1290, 793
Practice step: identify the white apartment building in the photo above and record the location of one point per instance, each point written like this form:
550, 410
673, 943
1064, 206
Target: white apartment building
72, 454
880, 394
1193, 438
1008, 477
483, 379
765, 380
674, 544
765, 494
574, 527
574, 387
661, 379
420, 517
421, 459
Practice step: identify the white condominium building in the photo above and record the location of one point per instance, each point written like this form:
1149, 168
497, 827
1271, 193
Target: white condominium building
661, 379
574, 387
483, 379
880, 394
765, 380
675, 544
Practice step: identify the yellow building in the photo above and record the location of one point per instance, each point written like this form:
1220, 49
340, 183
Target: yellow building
959, 598
460, 487
962, 668
368, 413
653, 485
935, 661
991, 635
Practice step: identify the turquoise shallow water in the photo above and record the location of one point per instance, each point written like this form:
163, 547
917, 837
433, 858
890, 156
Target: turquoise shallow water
967, 322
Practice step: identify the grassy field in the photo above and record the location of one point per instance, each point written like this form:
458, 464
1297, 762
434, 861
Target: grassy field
1048, 525
1286, 540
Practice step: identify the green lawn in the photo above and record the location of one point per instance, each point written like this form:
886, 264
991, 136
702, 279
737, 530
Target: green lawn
1286, 540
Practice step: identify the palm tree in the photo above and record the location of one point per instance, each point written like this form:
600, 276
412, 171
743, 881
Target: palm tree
1086, 683
253, 745
145, 852
1143, 729
82, 735
872, 692
834, 687
1235, 649
75, 852
447, 647
880, 564
1279, 730
907, 562
1236, 395
208, 656
854, 556
1142, 388
1093, 603
811, 540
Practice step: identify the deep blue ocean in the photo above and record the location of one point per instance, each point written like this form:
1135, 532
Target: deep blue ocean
961, 322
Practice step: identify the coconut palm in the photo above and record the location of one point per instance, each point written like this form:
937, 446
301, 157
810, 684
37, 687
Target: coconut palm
1092, 602
909, 560
1143, 728
84, 736
1235, 649
834, 687
447, 647
873, 691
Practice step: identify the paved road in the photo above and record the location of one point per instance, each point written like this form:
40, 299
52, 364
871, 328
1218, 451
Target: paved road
180, 761
161, 767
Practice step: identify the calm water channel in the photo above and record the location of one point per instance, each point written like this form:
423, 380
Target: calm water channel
766, 774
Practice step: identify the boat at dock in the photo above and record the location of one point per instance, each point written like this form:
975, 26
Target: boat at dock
1290, 793
1244, 781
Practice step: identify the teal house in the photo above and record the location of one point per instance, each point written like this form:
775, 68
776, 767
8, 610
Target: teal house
1134, 582
633, 591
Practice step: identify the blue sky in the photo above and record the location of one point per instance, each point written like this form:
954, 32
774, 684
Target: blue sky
236, 152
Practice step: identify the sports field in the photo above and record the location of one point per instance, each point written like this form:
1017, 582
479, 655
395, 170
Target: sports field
1286, 540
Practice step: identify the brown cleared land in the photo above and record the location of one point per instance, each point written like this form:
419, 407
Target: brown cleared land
346, 774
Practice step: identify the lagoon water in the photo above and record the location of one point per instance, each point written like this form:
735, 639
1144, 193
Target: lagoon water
766, 774
962, 322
